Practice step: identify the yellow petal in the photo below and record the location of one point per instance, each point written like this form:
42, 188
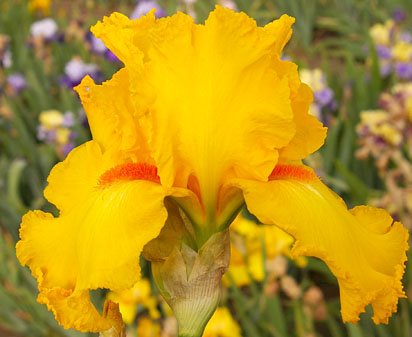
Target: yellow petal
236, 109
282, 29
110, 114
363, 247
310, 133
125, 37
72, 181
75, 310
97, 239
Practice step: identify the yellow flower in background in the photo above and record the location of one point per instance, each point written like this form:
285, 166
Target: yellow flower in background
381, 33
148, 328
222, 324
51, 119
56, 129
403, 88
42, 6
323, 94
244, 267
402, 51
211, 119
249, 241
379, 123
63, 135
314, 78
405, 91
130, 299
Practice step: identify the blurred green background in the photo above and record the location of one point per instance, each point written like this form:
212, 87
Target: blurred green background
355, 54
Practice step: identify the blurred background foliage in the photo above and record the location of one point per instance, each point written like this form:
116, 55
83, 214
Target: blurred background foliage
357, 57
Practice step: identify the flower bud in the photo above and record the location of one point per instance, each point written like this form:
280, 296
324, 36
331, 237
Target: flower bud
189, 279
190, 282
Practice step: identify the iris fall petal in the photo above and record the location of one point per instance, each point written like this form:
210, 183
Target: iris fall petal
363, 247
95, 242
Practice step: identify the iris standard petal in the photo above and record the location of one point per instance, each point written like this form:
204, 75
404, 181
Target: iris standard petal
363, 247
226, 72
310, 133
111, 115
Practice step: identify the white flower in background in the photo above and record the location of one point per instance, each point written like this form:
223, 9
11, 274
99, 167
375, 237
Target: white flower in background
76, 69
45, 28
145, 6
7, 60
97, 45
231, 4
189, 8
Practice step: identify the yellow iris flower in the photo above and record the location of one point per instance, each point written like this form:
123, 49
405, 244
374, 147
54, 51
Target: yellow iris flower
210, 118
129, 300
249, 240
42, 6
222, 324
148, 328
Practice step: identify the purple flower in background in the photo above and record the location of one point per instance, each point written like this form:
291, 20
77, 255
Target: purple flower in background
399, 15
17, 82
76, 69
406, 37
46, 135
45, 28
67, 148
383, 52
393, 47
56, 128
285, 57
404, 70
111, 57
41, 133
385, 69
68, 119
96, 45
145, 6
324, 97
